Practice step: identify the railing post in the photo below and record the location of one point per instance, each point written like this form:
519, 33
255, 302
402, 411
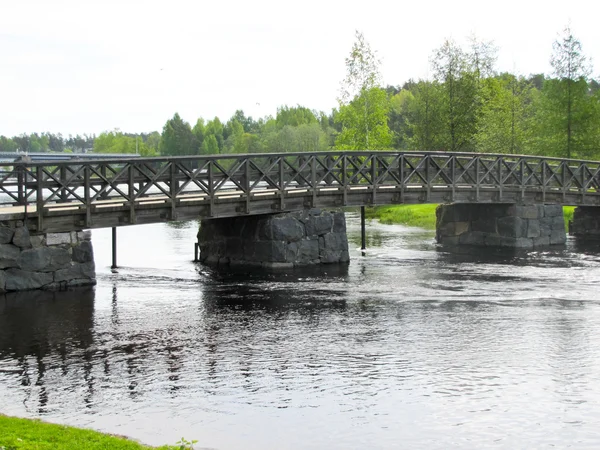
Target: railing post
453, 176
211, 190
132, 219
477, 178
374, 179
247, 184
427, 160
345, 178
281, 185
500, 178
173, 187
313, 179
86, 195
63, 181
39, 201
401, 163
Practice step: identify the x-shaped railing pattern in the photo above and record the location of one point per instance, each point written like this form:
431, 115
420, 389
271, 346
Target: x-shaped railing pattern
88, 184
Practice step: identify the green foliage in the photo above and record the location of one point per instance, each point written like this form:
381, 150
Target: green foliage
294, 116
117, 142
422, 216
504, 115
24, 434
363, 105
177, 138
364, 122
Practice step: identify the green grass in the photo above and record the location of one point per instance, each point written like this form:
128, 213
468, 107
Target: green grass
568, 213
26, 434
423, 216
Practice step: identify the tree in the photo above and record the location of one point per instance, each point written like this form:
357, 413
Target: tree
568, 94
426, 126
199, 131
210, 145
459, 87
503, 117
177, 138
363, 105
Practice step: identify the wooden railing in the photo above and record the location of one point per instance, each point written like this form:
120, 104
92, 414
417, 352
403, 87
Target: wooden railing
72, 195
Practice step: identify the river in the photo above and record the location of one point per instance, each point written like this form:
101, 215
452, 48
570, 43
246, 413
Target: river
407, 347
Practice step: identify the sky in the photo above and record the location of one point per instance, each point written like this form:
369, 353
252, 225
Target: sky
88, 66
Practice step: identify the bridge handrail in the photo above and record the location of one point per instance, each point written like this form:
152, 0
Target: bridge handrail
211, 178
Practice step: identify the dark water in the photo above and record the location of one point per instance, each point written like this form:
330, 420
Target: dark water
408, 347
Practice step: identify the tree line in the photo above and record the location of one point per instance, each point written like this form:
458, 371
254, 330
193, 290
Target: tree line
467, 106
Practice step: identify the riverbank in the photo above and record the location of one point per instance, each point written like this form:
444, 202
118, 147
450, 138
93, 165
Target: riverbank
27, 434
423, 216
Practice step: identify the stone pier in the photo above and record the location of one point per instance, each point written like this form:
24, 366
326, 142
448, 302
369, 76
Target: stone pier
284, 240
52, 261
586, 223
500, 225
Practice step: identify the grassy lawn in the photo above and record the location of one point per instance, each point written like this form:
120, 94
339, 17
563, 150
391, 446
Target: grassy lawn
25, 434
423, 216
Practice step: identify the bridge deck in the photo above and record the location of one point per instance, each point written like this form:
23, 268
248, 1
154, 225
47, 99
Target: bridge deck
66, 196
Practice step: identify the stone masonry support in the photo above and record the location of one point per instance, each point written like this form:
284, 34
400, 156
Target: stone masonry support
51, 261
284, 240
586, 223
500, 225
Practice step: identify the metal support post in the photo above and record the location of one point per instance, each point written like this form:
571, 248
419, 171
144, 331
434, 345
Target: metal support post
114, 248
362, 228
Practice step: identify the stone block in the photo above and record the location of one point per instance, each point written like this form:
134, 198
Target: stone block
558, 223
541, 211
85, 235
58, 239
533, 228
44, 259
542, 241
292, 252
461, 227
473, 238
339, 222
456, 212
287, 229
6, 235
308, 252
527, 211
484, 224
73, 237
524, 243
22, 280
558, 237
21, 238
553, 210
545, 226
2, 281
512, 226
319, 225
9, 255
83, 252
494, 240
448, 240
76, 271
37, 240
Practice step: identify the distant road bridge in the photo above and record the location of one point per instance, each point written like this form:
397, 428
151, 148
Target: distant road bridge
61, 196
9, 157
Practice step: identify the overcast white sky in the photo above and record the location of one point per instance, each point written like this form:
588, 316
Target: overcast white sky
87, 66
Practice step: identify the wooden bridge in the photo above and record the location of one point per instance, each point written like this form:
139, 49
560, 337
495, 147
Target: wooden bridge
65, 196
